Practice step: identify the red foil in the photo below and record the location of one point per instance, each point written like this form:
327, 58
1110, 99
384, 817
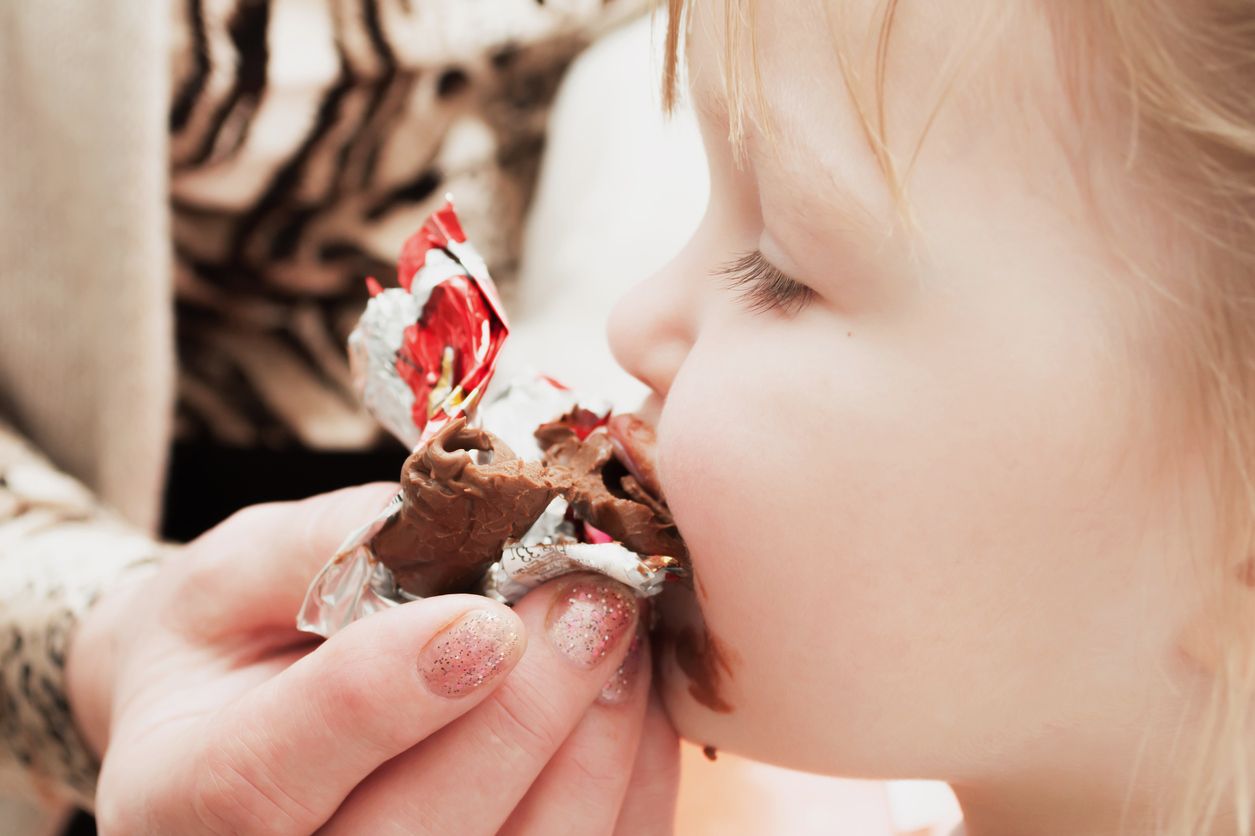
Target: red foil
581, 421
441, 229
447, 357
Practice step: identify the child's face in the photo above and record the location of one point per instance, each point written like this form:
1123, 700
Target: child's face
923, 509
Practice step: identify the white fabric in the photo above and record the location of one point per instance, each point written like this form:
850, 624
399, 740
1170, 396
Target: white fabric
83, 144
621, 189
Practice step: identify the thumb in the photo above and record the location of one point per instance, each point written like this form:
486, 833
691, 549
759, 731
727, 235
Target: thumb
255, 567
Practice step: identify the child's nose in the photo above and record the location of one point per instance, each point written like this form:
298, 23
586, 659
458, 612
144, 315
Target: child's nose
651, 329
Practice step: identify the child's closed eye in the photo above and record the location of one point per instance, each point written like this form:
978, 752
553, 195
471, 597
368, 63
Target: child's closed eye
763, 287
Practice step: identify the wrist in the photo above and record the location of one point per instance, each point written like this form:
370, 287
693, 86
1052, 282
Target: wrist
95, 656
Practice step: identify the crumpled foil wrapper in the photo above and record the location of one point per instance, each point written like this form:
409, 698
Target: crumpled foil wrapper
423, 353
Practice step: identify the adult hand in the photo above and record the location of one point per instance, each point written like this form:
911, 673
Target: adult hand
215, 715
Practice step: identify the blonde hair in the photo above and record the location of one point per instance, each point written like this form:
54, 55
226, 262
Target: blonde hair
1183, 76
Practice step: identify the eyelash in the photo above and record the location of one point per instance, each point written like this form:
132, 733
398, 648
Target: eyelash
763, 287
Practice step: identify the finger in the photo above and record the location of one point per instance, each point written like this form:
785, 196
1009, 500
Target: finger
283, 757
650, 802
581, 790
469, 777
254, 568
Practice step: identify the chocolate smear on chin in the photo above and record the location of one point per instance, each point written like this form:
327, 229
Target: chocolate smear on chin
458, 513
705, 661
701, 657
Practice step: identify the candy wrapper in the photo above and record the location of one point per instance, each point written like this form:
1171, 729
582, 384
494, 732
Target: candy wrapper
425, 351
478, 477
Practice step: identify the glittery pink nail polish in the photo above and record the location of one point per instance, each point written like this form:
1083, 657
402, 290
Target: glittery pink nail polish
467, 653
618, 688
588, 618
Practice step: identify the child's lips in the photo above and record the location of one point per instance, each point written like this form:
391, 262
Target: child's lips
634, 443
703, 660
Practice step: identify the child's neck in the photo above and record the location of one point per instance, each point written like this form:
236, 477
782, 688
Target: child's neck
1049, 809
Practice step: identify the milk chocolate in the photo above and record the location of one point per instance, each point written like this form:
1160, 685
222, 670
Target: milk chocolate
458, 514
605, 494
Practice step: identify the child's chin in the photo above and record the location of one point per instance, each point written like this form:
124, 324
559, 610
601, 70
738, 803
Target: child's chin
730, 733
752, 730
692, 720
698, 694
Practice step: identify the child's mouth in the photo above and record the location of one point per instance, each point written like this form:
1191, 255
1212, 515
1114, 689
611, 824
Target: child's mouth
703, 660
634, 445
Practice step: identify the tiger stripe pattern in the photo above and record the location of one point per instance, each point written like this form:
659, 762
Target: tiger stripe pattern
308, 139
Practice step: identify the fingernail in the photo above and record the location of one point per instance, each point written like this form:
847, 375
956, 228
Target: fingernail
467, 653
589, 618
618, 687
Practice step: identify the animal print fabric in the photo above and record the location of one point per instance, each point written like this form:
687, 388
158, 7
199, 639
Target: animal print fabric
309, 139
59, 551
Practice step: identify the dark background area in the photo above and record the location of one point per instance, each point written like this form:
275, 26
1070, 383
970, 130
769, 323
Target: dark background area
207, 483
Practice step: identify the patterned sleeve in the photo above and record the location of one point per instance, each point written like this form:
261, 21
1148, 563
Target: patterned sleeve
307, 141
59, 550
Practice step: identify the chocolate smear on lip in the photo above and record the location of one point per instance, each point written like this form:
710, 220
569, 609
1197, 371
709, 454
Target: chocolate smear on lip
634, 441
711, 753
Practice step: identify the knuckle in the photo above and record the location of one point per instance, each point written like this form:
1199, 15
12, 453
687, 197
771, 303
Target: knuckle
205, 558
203, 571
597, 774
114, 815
235, 795
196, 586
245, 522
522, 719
329, 516
663, 781
355, 704
353, 697
252, 516
659, 783
218, 806
200, 572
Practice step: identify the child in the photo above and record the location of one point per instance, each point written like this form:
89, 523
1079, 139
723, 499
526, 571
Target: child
951, 389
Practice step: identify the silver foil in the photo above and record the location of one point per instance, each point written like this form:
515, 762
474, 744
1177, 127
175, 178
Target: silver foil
523, 404
372, 359
522, 568
353, 584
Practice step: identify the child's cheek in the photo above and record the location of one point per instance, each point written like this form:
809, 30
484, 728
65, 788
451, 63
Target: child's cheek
867, 542
750, 456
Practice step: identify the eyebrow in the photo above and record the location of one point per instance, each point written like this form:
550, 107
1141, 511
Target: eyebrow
843, 207
851, 212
